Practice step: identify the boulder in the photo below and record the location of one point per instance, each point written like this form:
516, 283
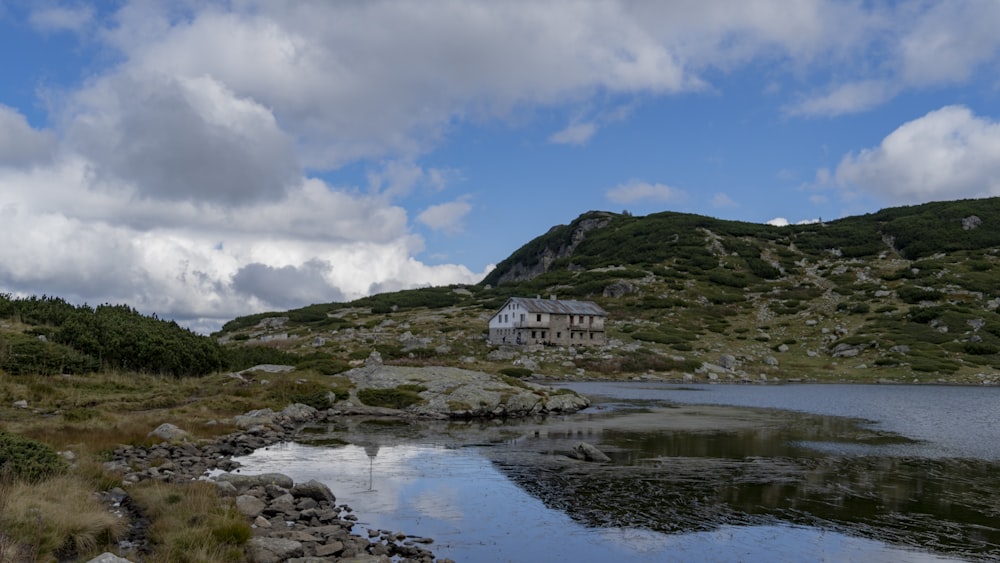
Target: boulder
273, 550
299, 413
313, 489
255, 418
250, 506
588, 452
168, 432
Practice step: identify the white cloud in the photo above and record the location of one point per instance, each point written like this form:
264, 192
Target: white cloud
846, 98
638, 191
61, 18
202, 263
574, 134
949, 42
778, 222
20, 144
183, 178
723, 200
947, 154
397, 178
181, 139
446, 216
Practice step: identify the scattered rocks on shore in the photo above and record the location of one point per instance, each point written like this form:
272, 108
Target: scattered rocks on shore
294, 522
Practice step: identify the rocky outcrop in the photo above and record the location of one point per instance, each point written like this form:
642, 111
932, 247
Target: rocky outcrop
460, 393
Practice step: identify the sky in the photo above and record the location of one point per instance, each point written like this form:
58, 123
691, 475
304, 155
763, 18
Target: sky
203, 160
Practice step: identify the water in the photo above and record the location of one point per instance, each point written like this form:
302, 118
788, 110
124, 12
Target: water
687, 481
950, 421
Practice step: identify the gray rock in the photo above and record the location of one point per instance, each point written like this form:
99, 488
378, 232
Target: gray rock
588, 452
299, 413
107, 557
244, 482
971, 222
771, 361
273, 550
727, 361
315, 490
169, 433
22, 404
783, 348
250, 506
255, 418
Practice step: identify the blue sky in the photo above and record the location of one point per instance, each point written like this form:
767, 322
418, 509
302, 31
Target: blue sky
204, 160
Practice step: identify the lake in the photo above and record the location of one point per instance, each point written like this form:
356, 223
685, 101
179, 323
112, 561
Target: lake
706, 473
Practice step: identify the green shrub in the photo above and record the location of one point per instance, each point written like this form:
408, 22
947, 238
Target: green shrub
325, 366
397, 398
28, 460
517, 372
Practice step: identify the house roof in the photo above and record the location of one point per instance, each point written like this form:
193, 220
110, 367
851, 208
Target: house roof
559, 306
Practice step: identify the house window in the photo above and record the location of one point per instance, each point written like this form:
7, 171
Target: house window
558, 335
533, 334
538, 317
522, 317
543, 335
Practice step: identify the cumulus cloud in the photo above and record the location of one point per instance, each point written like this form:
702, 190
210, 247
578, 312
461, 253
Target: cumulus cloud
20, 144
287, 286
950, 153
636, 191
446, 216
182, 139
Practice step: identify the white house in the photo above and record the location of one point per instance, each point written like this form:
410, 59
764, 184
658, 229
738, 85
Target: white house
523, 320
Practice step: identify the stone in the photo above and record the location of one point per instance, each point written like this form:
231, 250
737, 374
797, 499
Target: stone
727, 361
588, 452
250, 506
22, 404
771, 361
329, 549
273, 550
313, 489
168, 432
108, 557
299, 413
244, 482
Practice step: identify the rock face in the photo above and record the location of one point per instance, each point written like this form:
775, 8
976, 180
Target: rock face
460, 393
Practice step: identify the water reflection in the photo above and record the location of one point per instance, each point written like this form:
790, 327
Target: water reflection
706, 482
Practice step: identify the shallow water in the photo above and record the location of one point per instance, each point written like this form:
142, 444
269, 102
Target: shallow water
685, 482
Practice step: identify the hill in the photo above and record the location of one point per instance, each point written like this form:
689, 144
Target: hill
904, 294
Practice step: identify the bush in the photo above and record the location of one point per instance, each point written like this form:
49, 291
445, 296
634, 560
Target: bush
519, 373
397, 398
28, 460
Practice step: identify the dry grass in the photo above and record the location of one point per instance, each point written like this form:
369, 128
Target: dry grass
190, 523
55, 519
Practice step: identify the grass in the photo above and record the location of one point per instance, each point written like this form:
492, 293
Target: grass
191, 524
57, 518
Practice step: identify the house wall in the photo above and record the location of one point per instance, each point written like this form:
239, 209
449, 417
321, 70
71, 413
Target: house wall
514, 325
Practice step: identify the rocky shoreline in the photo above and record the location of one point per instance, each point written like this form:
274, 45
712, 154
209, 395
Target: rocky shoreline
291, 522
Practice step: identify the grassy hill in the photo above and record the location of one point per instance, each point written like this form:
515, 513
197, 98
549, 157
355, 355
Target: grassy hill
905, 294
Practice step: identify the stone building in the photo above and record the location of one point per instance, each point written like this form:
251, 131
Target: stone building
524, 320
